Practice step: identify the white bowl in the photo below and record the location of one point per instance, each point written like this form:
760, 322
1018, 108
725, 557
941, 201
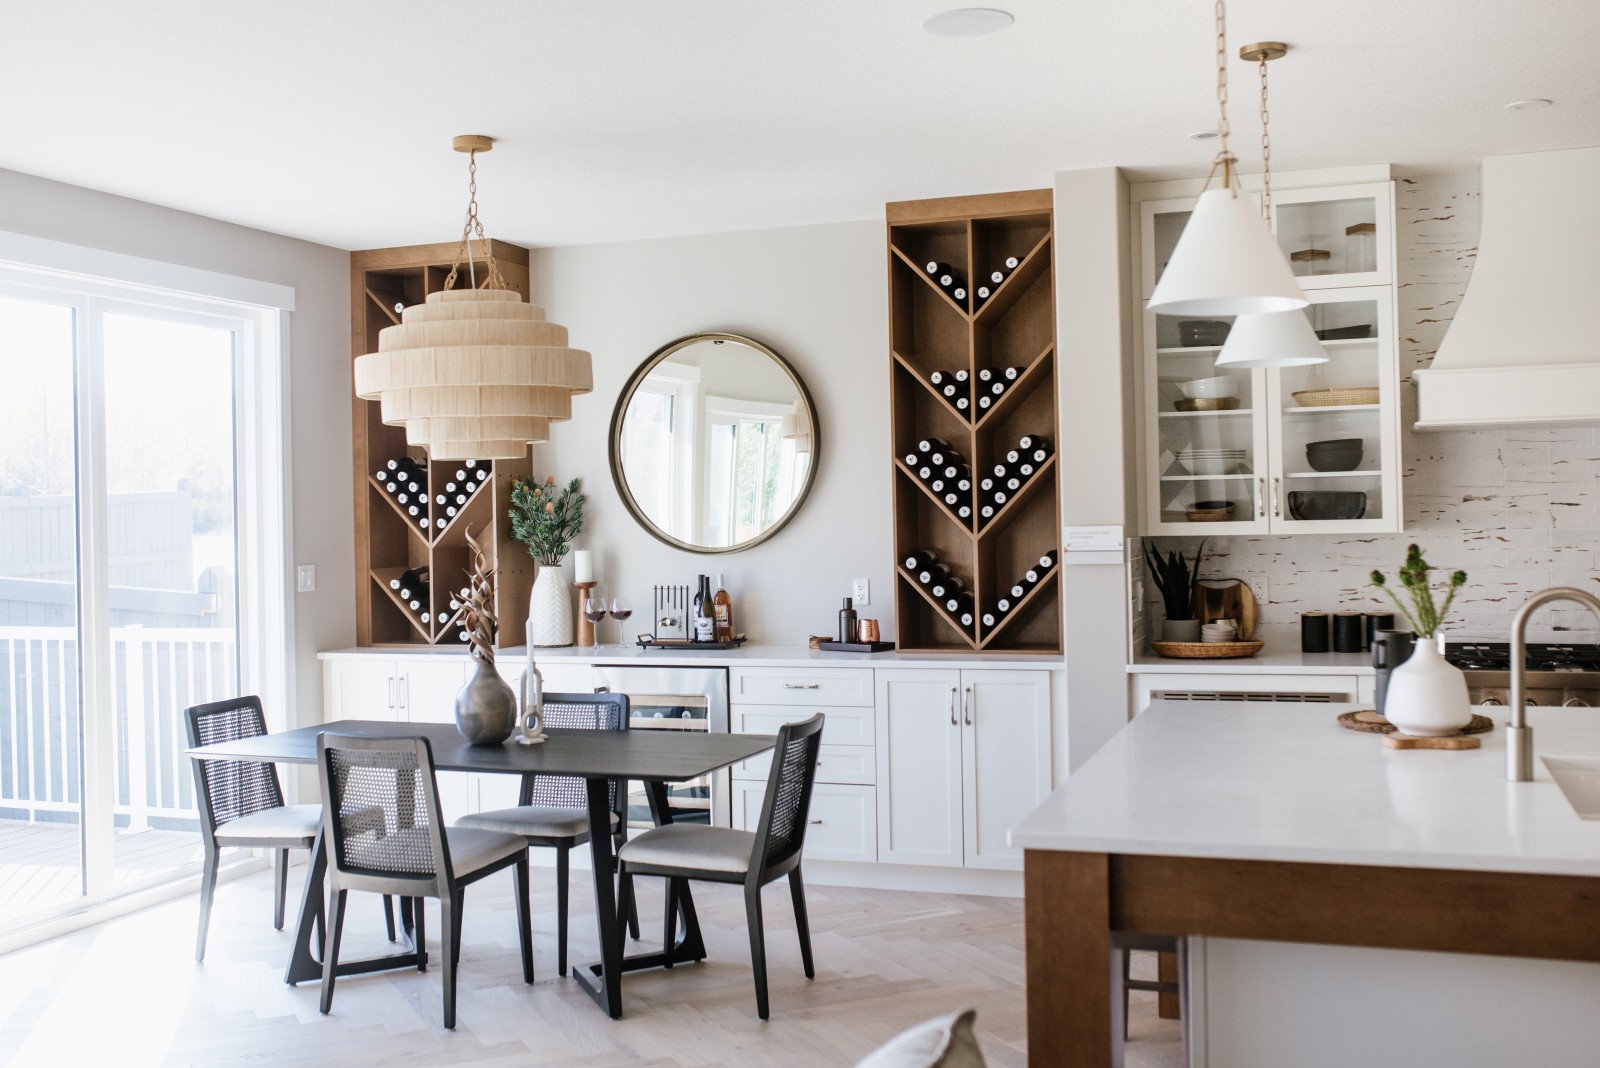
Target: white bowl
1210, 388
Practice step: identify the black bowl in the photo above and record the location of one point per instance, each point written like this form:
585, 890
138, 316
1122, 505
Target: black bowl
1319, 505
1340, 454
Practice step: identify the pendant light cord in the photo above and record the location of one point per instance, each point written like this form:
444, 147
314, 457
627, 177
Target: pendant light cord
474, 226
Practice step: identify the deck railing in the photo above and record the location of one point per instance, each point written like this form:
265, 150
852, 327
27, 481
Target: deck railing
158, 672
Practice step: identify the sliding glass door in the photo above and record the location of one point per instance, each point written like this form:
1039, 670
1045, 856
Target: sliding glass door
118, 585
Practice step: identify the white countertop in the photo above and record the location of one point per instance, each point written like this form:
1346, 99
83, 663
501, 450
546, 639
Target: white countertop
748, 655
1285, 782
1286, 660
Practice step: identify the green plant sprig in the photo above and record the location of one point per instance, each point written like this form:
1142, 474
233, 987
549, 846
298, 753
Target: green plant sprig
1424, 616
545, 519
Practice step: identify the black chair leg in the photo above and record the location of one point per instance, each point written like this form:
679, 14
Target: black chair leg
208, 890
388, 915
525, 920
758, 946
417, 918
562, 871
330, 951
669, 925
280, 889
797, 890
625, 889
450, 908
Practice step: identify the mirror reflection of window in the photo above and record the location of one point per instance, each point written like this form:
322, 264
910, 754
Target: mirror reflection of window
647, 449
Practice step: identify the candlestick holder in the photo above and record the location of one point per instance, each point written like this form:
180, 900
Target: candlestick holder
585, 628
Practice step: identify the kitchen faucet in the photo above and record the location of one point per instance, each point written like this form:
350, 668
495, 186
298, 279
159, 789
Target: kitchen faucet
1519, 736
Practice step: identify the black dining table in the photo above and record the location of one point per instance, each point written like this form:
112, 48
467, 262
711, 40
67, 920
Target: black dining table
654, 758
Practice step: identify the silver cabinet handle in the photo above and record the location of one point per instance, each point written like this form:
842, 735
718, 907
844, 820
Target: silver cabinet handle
1261, 498
391, 691
816, 821
1277, 504
966, 706
953, 721
806, 686
405, 690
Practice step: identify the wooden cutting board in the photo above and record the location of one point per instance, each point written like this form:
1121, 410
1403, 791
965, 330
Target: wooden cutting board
1228, 599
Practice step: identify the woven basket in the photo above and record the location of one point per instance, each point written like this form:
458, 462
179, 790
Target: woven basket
1326, 398
1206, 650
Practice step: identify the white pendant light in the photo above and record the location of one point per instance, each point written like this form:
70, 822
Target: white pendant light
1272, 339
1280, 338
474, 373
1226, 261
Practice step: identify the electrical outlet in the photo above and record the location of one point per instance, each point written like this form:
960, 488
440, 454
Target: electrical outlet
305, 578
862, 594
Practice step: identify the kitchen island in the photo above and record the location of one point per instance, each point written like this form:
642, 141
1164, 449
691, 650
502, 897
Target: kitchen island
1268, 822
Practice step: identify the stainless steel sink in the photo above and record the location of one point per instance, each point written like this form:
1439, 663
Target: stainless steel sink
1579, 779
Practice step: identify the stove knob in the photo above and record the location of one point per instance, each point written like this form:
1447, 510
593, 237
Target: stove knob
1575, 702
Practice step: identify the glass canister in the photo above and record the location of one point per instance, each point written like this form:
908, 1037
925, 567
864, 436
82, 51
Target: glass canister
1361, 248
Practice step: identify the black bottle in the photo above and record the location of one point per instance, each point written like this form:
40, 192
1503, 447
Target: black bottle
847, 621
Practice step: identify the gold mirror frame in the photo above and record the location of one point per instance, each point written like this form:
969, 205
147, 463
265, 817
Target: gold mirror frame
621, 411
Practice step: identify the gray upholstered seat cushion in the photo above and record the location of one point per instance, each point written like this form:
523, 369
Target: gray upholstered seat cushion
942, 1042
533, 821
287, 821
688, 845
471, 849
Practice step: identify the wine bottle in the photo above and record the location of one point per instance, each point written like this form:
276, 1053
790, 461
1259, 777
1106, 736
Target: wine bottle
920, 559
425, 617
956, 470
1000, 497
988, 620
983, 292
412, 509
403, 497
984, 402
481, 474
461, 498
965, 511
1025, 469
1032, 577
451, 511
950, 280
461, 474
705, 620
997, 387
416, 604
985, 374
959, 292
964, 484
937, 485
962, 404
939, 378
938, 267
1013, 483
1001, 471
1047, 561
1012, 262
932, 444
1003, 605
952, 499
1011, 373
997, 277
925, 473
392, 465
722, 607
1019, 590
987, 511
950, 389
442, 522
986, 485
962, 375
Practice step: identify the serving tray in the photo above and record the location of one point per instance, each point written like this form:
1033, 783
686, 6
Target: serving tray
647, 641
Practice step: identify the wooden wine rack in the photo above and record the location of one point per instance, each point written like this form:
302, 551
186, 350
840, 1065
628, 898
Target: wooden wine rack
388, 539
929, 330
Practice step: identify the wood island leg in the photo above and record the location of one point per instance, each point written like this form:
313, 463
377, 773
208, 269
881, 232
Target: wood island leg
1068, 915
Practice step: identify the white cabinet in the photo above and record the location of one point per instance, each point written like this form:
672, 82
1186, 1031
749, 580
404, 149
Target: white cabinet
963, 756
1239, 463
841, 824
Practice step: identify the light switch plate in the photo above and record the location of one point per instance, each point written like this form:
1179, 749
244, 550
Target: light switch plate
305, 578
862, 592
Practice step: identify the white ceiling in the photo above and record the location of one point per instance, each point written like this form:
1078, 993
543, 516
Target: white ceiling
331, 119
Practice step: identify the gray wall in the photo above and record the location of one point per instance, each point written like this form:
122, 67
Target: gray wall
319, 372
816, 294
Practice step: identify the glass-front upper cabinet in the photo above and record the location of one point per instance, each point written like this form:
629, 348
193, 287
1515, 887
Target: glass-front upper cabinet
1337, 238
1335, 427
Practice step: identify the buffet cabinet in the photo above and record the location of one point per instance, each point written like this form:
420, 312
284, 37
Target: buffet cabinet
1293, 450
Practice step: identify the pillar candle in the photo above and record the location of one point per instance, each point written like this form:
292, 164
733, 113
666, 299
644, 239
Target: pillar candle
582, 565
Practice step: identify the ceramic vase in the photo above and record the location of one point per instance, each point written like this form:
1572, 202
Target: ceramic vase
486, 708
1180, 630
1427, 697
550, 608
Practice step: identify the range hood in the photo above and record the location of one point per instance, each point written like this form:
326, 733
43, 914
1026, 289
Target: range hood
1524, 346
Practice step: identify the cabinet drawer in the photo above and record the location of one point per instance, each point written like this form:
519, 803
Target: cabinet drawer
807, 686
842, 824
835, 764
843, 726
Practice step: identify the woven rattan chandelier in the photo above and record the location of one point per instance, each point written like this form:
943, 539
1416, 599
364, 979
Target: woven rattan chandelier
474, 373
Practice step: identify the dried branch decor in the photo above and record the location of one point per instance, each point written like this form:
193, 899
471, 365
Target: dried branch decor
481, 622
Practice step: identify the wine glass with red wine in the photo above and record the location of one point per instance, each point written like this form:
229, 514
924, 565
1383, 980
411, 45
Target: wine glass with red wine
621, 609
594, 610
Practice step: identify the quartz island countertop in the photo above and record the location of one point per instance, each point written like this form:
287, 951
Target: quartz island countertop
1283, 782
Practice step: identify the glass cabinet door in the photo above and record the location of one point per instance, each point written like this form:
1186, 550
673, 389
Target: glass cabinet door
1335, 430
1337, 239
1206, 455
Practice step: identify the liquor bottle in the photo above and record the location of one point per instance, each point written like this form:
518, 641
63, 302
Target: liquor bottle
722, 605
705, 622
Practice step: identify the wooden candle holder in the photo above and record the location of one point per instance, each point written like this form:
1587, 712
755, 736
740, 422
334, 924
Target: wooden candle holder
585, 628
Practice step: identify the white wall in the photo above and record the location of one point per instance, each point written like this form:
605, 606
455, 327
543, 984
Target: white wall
319, 341
816, 294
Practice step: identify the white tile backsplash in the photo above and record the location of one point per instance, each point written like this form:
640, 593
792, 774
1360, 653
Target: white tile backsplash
1517, 509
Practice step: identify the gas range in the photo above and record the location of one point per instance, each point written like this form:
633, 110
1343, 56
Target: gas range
1557, 675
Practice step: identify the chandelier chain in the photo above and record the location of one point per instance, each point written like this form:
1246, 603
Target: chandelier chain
474, 228
1266, 148
1225, 158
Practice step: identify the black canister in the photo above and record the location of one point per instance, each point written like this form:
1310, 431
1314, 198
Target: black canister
1372, 623
1390, 649
1313, 632
1347, 632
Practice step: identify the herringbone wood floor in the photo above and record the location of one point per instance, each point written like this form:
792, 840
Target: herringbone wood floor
128, 992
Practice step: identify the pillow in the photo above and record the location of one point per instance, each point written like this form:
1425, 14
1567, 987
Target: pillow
942, 1042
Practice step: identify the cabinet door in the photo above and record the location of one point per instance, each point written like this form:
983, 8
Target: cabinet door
842, 823
363, 688
428, 689
919, 767
1337, 237
1005, 729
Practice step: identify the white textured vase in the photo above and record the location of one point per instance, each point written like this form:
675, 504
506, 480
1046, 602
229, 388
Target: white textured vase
1427, 697
550, 608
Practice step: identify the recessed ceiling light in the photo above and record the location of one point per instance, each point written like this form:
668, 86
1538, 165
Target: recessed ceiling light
1204, 135
1526, 105
967, 22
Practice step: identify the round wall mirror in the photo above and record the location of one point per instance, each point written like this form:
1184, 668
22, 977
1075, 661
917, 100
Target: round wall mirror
714, 443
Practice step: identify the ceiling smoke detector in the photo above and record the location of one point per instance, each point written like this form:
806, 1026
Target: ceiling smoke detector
968, 22
1205, 135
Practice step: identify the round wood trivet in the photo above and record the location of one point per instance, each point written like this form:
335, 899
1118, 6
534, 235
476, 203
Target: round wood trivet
1372, 723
